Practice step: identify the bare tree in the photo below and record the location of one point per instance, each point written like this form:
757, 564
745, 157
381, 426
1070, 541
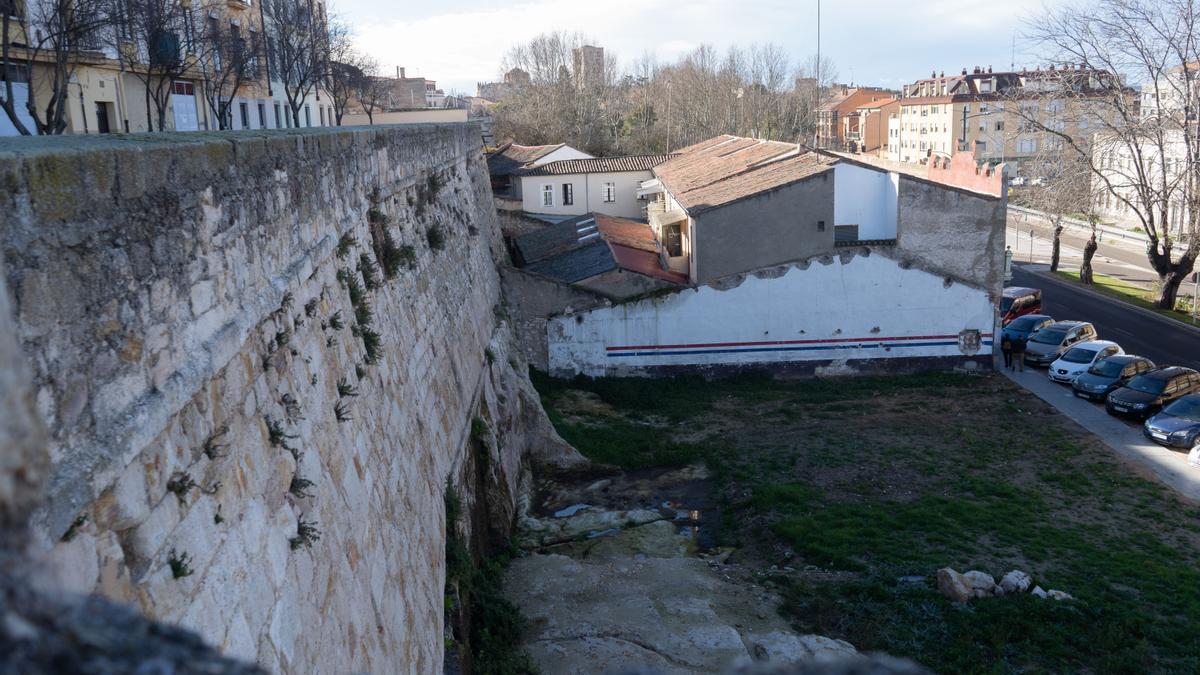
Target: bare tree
1146, 153
345, 68
1066, 190
151, 38
299, 47
228, 62
371, 89
56, 34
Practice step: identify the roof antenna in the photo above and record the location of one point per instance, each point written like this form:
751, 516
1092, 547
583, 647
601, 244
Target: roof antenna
1012, 66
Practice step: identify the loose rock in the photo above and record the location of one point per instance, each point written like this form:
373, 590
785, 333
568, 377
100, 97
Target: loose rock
983, 585
1059, 595
1015, 581
1039, 591
952, 585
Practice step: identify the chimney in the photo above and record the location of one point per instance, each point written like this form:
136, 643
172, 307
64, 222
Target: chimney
989, 70
943, 74
964, 72
401, 72
397, 72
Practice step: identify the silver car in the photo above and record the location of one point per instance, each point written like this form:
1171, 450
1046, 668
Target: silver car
1047, 344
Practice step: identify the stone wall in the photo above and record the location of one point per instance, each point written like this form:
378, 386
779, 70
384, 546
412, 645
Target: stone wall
220, 360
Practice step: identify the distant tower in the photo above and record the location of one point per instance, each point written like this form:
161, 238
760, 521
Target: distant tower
589, 66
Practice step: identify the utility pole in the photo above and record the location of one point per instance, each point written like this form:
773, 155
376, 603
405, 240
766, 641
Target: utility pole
668, 116
817, 81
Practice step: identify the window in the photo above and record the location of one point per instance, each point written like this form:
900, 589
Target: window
1028, 145
980, 147
845, 233
278, 117
568, 190
1000, 125
547, 195
610, 192
321, 112
307, 116
673, 239
262, 115
244, 114
820, 226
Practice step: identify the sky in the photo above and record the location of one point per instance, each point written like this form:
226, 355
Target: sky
871, 42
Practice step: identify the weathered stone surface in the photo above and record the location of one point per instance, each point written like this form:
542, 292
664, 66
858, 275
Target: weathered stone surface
1039, 592
982, 584
1015, 581
787, 647
191, 304
952, 585
1059, 595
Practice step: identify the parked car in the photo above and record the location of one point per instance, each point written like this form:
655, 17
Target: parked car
1110, 374
1178, 425
1022, 327
1045, 345
1018, 301
1076, 360
1146, 394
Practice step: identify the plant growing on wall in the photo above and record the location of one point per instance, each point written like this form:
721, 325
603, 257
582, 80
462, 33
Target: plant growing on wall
436, 237
180, 563
299, 486
335, 321
345, 243
392, 256
369, 271
291, 408
279, 438
345, 389
310, 307
373, 344
341, 411
181, 483
306, 534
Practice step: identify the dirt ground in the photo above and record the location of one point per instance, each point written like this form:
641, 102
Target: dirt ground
846, 496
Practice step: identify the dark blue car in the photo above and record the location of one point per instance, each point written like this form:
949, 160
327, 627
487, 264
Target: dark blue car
1178, 425
1024, 326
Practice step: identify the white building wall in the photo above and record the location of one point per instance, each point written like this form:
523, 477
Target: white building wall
867, 198
588, 193
867, 308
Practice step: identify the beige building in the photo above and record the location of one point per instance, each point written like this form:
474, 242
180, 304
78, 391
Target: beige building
987, 112
107, 94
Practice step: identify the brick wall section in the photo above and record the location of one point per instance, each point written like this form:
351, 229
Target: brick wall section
173, 293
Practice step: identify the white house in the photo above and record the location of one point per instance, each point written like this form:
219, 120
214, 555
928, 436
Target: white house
510, 158
607, 185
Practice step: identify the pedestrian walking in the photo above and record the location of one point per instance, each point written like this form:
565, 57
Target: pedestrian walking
1006, 345
1018, 354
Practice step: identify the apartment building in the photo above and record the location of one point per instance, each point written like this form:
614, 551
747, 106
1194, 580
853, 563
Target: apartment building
988, 113
865, 130
222, 61
843, 101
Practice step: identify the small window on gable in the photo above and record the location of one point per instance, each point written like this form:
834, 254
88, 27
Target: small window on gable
820, 226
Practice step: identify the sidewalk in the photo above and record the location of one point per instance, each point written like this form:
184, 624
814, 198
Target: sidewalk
1170, 467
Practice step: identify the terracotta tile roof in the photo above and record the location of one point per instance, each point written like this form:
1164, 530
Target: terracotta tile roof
595, 165
509, 158
717, 173
592, 244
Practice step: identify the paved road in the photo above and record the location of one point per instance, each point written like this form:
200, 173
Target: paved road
1159, 339
1031, 238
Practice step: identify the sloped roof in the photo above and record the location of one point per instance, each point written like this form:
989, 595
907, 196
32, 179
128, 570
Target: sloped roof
592, 244
510, 157
595, 165
728, 168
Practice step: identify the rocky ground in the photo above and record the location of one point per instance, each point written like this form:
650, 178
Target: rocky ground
621, 577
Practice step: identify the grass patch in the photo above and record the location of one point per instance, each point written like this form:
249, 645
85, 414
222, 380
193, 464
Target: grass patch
854, 483
1127, 293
